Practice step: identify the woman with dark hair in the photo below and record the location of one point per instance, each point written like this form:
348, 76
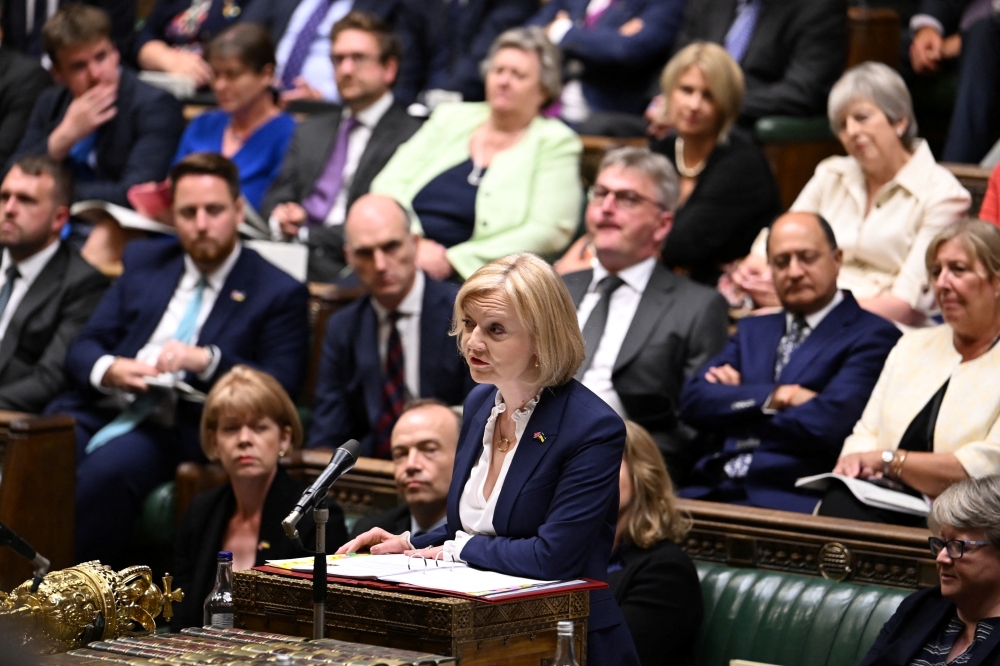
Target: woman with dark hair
654, 581
248, 128
249, 423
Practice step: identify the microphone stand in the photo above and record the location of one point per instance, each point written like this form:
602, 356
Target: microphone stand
321, 515
11, 539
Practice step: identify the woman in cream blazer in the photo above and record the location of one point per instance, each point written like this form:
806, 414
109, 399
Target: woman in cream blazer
528, 194
944, 379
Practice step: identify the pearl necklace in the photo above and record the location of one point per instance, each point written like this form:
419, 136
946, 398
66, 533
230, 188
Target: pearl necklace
683, 169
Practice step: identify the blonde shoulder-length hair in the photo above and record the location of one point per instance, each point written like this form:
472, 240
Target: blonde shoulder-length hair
542, 305
653, 515
722, 74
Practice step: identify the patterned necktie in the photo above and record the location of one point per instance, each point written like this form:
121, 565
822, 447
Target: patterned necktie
145, 403
300, 49
8, 286
789, 342
394, 393
319, 204
593, 330
741, 31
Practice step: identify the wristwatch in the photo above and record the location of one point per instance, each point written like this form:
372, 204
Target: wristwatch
887, 458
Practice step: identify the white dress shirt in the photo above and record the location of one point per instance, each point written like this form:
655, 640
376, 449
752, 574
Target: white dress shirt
29, 270
621, 310
813, 320
408, 326
475, 510
318, 68
172, 317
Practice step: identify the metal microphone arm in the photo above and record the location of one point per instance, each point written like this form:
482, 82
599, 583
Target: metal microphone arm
9, 537
342, 461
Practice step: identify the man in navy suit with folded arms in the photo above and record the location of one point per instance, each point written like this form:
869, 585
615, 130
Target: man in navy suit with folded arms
788, 387
390, 347
181, 312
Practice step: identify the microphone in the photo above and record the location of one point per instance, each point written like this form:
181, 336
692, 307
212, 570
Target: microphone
9, 537
342, 461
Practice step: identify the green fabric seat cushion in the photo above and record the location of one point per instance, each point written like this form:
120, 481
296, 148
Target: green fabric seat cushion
787, 129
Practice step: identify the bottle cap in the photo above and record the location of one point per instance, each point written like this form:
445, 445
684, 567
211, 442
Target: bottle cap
225, 556
564, 627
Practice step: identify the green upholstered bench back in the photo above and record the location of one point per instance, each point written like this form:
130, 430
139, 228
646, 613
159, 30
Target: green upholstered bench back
788, 619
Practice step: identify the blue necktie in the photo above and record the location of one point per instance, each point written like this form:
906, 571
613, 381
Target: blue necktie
145, 403
741, 31
8, 287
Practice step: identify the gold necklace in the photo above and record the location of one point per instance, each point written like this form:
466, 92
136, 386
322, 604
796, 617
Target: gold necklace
503, 445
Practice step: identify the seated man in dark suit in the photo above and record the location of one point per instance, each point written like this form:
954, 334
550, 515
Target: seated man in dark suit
423, 453
301, 33
789, 387
390, 346
111, 129
180, 316
646, 329
22, 80
48, 290
445, 42
335, 155
791, 51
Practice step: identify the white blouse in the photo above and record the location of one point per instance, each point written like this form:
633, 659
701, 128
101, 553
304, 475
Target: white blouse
474, 509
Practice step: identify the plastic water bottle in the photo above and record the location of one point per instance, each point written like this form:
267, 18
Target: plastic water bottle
565, 649
219, 606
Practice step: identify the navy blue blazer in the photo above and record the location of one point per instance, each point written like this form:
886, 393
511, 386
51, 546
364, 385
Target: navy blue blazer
136, 146
917, 622
349, 385
619, 71
840, 360
260, 318
557, 511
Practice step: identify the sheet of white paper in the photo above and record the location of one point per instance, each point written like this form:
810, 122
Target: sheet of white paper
870, 494
464, 580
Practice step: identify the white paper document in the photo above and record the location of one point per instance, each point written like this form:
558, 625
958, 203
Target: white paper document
870, 494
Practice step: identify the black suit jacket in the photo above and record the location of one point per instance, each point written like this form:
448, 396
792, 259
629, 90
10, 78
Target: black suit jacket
794, 57
948, 12
917, 621
22, 80
136, 146
53, 310
203, 527
349, 386
313, 143
275, 14
658, 590
678, 326
393, 521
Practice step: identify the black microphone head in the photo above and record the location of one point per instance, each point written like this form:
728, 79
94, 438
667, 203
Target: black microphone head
352, 447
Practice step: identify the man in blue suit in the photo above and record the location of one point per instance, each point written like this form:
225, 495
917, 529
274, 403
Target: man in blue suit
390, 347
181, 315
789, 387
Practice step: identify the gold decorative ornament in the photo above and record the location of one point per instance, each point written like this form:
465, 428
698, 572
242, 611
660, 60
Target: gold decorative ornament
836, 562
85, 603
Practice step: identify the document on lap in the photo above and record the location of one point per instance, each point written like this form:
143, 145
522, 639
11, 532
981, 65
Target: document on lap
870, 494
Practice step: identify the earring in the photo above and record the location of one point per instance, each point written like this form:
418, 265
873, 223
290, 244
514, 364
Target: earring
536, 362
899, 132
282, 454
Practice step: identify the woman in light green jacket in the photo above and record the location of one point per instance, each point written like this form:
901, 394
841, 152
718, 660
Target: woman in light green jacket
483, 180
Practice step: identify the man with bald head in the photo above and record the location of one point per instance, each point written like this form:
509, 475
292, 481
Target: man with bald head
389, 347
788, 388
424, 440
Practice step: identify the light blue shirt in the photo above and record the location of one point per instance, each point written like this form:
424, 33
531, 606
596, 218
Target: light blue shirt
318, 69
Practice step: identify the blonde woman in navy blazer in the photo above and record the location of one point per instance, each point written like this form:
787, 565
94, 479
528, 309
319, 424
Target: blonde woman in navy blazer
535, 487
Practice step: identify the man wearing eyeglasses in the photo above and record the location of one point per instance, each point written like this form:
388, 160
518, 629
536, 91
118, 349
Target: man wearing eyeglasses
646, 329
334, 156
789, 387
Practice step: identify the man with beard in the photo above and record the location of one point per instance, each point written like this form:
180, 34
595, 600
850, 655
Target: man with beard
180, 316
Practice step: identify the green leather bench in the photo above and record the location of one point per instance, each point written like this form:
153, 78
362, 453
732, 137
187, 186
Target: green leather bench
788, 619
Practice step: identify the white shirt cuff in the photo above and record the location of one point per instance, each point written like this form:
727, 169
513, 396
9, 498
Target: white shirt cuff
558, 30
453, 547
213, 364
99, 370
924, 20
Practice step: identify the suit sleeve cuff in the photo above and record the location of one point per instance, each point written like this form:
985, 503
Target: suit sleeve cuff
213, 364
923, 21
99, 370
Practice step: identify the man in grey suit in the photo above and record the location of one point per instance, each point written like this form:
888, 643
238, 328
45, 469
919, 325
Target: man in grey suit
335, 156
646, 329
48, 291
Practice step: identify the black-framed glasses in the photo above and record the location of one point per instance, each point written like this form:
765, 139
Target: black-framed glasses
623, 198
956, 547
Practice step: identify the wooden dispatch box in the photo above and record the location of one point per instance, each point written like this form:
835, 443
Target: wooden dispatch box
510, 633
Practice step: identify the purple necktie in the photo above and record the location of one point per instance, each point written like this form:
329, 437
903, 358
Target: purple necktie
590, 20
300, 49
319, 204
741, 31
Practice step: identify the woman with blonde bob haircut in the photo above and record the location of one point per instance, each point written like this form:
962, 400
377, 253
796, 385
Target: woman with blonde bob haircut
536, 470
654, 581
727, 191
249, 422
